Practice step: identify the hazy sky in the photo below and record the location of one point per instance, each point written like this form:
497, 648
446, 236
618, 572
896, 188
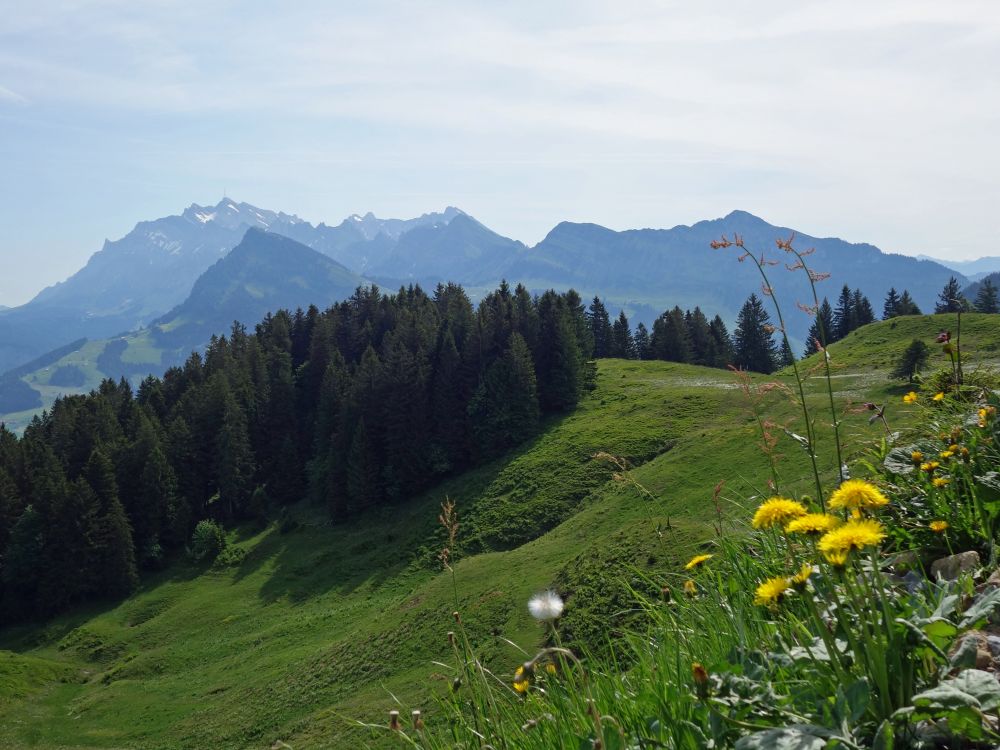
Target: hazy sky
876, 120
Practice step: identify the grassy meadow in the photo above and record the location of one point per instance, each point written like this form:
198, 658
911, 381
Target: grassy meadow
305, 629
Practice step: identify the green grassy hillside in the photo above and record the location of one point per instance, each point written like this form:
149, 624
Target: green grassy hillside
311, 626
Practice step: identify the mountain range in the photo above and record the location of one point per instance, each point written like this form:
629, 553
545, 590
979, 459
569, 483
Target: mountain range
143, 302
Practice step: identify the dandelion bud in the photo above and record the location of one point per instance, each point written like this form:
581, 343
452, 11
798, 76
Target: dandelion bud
451, 637
699, 673
456, 684
665, 593
394, 721
418, 721
965, 454
458, 617
690, 588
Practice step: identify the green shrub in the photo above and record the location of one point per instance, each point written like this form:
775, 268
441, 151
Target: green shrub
207, 541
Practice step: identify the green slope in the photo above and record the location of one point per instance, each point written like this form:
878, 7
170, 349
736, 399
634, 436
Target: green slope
318, 625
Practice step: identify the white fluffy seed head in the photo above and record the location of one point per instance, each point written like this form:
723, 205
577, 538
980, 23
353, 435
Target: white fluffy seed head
545, 606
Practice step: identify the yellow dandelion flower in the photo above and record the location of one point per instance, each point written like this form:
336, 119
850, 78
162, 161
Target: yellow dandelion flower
690, 588
777, 511
946, 454
769, 593
800, 579
522, 680
938, 396
910, 398
836, 559
929, 466
938, 527
965, 454
953, 448
853, 535
917, 457
857, 493
941, 481
812, 523
697, 560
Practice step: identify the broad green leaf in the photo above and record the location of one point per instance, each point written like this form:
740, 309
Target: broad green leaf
981, 609
858, 696
796, 737
965, 654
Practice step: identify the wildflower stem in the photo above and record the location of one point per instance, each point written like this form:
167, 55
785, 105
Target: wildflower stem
826, 359
810, 432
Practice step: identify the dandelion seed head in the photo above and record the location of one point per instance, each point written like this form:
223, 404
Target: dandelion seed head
545, 606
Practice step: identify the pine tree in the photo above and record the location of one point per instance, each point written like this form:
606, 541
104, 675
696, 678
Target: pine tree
911, 361
986, 297
642, 342
622, 343
906, 304
600, 328
753, 344
114, 549
722, 343
670, 337
950, 300
844, 316
449, 406
863, 311
891, 307
578, 316
504, 408
700, 335
235, 460
820, 330
785, 356
364, 486
557, 360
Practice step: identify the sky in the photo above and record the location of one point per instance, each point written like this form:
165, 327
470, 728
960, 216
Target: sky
871, 121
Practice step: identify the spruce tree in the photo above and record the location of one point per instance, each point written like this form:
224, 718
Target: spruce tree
600, 328
449, 406
890, 309
753, 345
912, 360
578, 316
114, 547
722, 343
622, 343
557, 360
670, 337
844, 316
986, 297
236, 467
785, 356
642, 342
504, 408
703, 351
906, 304
863, 311
950, 300
820, 330
364, 485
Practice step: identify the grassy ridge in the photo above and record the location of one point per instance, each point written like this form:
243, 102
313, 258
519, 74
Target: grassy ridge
321, 623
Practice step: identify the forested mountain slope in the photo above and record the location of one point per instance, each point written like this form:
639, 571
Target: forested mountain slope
306, 623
